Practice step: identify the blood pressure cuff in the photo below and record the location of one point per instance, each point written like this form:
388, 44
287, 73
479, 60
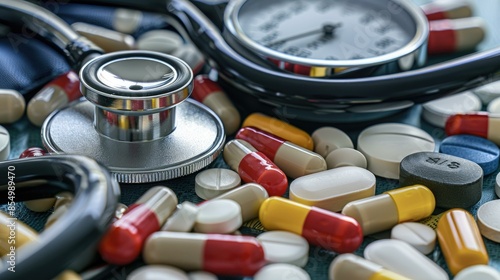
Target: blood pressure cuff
27, 62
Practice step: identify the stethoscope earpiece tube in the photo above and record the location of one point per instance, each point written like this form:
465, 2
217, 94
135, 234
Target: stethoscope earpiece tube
79, 230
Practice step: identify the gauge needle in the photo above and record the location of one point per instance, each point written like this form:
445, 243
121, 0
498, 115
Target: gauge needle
327, 30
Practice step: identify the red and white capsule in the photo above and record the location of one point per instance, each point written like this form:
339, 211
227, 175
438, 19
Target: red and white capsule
33, 152
209, 93
52, 96
479, 124
447, 9
255, 167
125, 238
294, 160
455, 35
220, 254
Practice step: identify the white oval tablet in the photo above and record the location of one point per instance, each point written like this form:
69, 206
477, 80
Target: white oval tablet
326, 139
281, 271
157, 272
333, 189
488, 92
385, 145
164, 41
284, 247
437, 111
478, 272
215, 181
420, 236
4, 143
218, 216
494, 106
201, 275
345, 157
488, 220
400, 257
183, 218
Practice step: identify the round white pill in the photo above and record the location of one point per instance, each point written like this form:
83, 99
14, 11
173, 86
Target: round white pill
488, 92
420, 236
497, 185
126, 21
201, 275
345, 157
476, 272
218, 216
164, 41
437, 111
4, 143
385, 146
326, 139
156, 272
215, 181
494, 106
284, 247
183, 218
281, 271
488, 220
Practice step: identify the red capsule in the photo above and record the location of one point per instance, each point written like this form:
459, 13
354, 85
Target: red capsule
255, 167
33, 152
479, 124
124, 240
437, 10
455, 35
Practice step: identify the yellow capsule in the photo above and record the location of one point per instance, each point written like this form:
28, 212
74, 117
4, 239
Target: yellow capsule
281, 129
383, 211
460, 240
14, 234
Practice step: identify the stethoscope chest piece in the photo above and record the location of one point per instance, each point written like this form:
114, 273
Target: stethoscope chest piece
137, 119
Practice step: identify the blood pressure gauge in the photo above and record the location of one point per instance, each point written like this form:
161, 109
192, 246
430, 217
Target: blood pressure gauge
331, 34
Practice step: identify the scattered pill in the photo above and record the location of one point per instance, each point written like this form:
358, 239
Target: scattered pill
494, 106
61, 206
476, 149
345, 157
455, 35
350, 266
488, 220
120, 210
284, 247
294, 160
4, 143
192, 56
460, 240
218, 216
12, 105
420, 236
385, 145
281, 271
211, 94
123, 241
249, 196
327, 139
479, 124
454, 181
281, 129
488, 92
23, 234
201, 275
68, 275
107, 39
54, 95
243, 255
161, 40
319, 227
255, 167
497, 184
436, 112
126, 20
400, 257
215, 181
476, 272
333, 189
437, 10
156, 272
183, 219
383, 211
33, 152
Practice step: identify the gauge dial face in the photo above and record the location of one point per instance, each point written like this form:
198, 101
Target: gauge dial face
328, 32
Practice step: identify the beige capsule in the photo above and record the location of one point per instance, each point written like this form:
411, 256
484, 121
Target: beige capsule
12, 105
108, 40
